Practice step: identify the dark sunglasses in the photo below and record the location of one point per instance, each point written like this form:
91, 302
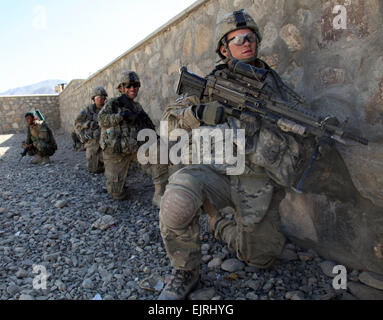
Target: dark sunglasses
241, 39
134, 85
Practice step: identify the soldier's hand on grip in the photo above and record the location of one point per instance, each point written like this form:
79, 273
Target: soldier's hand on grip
128, 116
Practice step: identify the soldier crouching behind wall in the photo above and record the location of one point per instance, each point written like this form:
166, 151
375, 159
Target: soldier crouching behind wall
120, 120
88, 130
40, 142
254, 234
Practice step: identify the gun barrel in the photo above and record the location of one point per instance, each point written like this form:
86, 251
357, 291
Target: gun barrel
350, 136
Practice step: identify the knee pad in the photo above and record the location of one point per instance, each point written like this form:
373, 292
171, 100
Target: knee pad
178, 208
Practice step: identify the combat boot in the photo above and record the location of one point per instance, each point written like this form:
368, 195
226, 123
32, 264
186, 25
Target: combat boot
124, 195
45, 160
159, 190
180, 285
37, 159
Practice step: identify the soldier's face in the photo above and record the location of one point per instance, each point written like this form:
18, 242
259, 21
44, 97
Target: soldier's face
29, 120
245, 51
131, 92
99, 101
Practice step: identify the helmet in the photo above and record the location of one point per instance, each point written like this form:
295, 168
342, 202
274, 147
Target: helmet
99, 91
235, 21
128, 77
30, 114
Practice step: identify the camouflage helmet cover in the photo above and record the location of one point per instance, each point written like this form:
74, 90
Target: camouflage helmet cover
128, 77
99, 91
235, 21
29, 114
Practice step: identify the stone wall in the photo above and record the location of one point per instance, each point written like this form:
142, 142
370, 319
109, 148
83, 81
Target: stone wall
13, 109
338, 71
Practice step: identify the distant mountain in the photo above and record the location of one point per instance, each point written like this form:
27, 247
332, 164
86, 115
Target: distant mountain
43, 87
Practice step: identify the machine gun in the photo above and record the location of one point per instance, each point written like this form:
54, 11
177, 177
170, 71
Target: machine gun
245, 93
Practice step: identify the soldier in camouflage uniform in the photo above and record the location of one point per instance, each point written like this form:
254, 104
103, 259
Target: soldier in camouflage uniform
120, 120
88, 130
40, 142
254, 233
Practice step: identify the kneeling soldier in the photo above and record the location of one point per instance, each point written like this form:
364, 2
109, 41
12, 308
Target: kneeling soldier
120, 120
40, 142
86, 125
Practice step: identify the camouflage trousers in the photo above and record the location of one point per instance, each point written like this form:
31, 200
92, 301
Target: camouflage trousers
94, 157
116, 170
253, 235
42, 152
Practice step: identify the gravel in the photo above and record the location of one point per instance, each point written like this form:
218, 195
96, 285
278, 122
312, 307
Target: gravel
59, 218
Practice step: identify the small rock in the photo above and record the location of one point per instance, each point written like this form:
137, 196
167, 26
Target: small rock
327, 268
305, 256
13, 289
152, 283
20, 274
103, 209
252, 296
232, 265
312, 281
288, 255
2, 210
372, 279
215, 263
60, 285
61, 204
205, 247
298, 297
87, 284
51, 257
138, 249
269, 284
328, 296
146, 270
104, 223
294, 295
206, 258
26, 297
203, 294
254, 284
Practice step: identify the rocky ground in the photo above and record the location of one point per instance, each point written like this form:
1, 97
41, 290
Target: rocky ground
58, 217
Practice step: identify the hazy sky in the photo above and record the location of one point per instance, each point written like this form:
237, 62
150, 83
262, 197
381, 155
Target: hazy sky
71, 39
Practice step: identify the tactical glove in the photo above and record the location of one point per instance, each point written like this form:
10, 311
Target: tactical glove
211, 113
